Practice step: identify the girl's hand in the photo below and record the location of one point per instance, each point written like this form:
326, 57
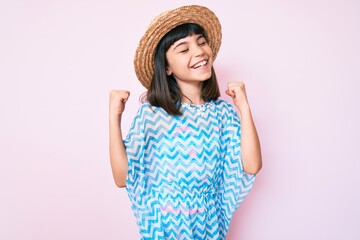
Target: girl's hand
236, 90
117, 100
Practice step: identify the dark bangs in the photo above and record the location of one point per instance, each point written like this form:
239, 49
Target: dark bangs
181, 31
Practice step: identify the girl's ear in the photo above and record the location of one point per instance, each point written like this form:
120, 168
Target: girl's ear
168, 71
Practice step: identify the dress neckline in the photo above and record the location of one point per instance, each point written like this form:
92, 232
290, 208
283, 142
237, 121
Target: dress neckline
198, 107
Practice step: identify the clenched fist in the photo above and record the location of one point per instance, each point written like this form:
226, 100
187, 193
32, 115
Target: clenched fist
236, 90
117, 100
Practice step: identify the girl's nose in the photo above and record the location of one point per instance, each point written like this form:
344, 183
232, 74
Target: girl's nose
198, 51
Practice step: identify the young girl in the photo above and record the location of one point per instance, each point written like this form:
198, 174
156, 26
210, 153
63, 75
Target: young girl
182, 163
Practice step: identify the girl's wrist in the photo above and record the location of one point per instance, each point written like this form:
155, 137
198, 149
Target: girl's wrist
243, 106
244, 111
114, 117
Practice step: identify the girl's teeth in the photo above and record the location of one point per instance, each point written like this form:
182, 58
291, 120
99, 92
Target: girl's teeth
201, 64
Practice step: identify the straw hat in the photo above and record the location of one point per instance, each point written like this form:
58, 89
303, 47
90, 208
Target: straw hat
162, 24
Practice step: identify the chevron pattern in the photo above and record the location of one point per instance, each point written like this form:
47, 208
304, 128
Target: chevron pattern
185, 178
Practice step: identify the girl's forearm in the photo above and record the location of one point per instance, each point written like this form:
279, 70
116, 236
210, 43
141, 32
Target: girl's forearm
250, 143
118, 158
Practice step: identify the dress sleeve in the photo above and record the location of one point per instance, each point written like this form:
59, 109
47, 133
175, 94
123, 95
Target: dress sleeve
134, 145
234, 183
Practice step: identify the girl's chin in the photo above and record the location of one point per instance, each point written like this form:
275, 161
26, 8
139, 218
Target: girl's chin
202, 73
205, 76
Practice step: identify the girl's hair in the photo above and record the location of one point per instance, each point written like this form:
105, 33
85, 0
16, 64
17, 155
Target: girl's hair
164, 91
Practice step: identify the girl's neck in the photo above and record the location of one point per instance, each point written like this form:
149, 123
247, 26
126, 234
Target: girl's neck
186, 99
191, 93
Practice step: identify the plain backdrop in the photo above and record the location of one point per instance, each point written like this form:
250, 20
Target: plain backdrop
300, 61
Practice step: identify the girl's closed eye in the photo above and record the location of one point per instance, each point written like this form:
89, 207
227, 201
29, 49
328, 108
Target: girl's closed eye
183, 50
202, 43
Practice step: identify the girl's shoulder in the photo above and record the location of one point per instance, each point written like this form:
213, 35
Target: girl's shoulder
146, 108
226, 110
220, 102
224, 105
145, 105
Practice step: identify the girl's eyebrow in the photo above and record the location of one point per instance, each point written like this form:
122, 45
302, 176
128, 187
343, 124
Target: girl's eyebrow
177, 45
184, 42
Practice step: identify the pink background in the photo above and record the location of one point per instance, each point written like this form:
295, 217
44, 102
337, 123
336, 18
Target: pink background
300, 61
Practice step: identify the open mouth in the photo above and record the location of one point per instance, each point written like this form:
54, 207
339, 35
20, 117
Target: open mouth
200, 64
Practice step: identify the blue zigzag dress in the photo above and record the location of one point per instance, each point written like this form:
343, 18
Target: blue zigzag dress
185, 177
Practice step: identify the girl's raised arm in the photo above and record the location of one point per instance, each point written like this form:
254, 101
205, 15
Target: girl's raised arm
118, 158
250, 144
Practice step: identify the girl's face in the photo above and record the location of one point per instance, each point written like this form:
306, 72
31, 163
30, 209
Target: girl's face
190, 59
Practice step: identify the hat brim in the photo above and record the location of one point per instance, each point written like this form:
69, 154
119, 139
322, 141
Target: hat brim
165, 22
